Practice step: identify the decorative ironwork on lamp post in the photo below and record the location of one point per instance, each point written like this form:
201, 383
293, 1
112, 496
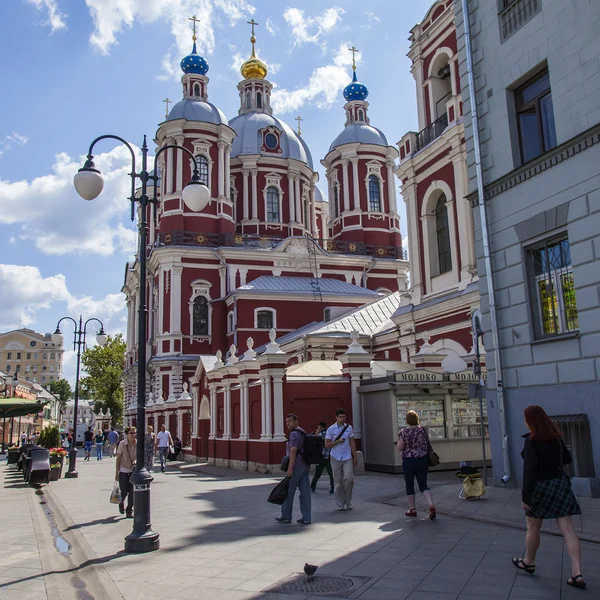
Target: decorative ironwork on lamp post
78, 346
89, 183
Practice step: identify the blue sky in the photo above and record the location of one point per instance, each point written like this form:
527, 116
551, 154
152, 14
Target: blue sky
75, 69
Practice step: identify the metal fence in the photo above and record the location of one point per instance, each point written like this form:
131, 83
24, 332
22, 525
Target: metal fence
578, 439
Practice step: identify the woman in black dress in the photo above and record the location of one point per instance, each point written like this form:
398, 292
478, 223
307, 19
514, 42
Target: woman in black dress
547, 492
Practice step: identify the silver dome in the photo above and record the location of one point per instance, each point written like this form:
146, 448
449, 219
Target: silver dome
249, 138
197, 110
319, 194
364, 134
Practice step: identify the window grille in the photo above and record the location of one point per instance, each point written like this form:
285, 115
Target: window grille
200, 316
578, 439
202, 163
272, 205
264, 319
554, 302
443, 236
374, 194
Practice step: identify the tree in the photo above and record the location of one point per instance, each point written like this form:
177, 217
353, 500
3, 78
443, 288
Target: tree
62, 390
104, 366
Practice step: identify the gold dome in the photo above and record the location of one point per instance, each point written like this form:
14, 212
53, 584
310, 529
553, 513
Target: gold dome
254, 68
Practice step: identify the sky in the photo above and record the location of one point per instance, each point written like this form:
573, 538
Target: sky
76, 69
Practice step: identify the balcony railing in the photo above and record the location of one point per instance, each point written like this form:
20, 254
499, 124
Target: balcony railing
432, 132
515, 14
264, 242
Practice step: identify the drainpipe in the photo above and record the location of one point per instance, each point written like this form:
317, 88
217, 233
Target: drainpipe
486, 246
365, 273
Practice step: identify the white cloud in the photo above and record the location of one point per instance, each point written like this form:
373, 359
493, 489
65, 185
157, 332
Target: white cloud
270, 27
372, 19
57, 221
112, 17
311, 29
12, 140
323, 88
12, 240
56, 20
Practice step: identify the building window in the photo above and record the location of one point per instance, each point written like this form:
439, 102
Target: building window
443, 236
327, 315
8, 368
553, 287
9, 355
535, 117
200, 317
202, 163
271, 141
259, 100
43, 379
52, 356
29, 356
230, 323
374, 194
18, 356
265, 319
273, 205
361, 115
336, 200
248, 101
197, 90
45, 355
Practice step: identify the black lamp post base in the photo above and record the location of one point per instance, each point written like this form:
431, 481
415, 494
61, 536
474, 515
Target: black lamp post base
148, 542
72, 471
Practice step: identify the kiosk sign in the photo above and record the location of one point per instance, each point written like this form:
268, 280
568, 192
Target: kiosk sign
419, 376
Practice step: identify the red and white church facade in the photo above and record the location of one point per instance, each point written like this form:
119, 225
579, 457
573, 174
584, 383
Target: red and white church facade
272, 300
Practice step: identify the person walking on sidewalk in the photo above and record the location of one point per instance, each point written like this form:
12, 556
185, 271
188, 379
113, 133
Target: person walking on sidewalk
339, 440
324, 464
163, 441
124, 468
113, 440
547, 492
298, 471
413, 442
99, 439
149, 448
88, 440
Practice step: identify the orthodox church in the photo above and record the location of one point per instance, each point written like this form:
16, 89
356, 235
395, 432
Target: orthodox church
273, 300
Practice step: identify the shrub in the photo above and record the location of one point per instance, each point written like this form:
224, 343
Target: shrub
50, 437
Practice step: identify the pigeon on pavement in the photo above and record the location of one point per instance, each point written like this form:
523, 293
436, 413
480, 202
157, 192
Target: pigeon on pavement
310, 570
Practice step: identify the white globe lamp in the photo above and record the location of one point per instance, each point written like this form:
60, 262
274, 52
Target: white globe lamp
102, 338
195, 195
88, 181
57, 337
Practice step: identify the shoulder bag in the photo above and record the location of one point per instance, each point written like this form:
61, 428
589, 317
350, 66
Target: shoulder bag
432, 457
562, 464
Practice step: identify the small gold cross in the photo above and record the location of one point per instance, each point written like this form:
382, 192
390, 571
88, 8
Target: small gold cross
167, 102
253, 23
299, 119
354, 51
194, 20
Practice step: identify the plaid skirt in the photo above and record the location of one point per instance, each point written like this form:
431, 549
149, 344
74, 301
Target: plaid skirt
553, 498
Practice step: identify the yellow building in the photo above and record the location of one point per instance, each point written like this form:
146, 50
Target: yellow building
33, 355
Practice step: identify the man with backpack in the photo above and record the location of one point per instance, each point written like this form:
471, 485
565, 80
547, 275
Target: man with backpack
342, 447
298, 470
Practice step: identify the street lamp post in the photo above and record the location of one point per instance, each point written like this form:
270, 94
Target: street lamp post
78, 346
89, 183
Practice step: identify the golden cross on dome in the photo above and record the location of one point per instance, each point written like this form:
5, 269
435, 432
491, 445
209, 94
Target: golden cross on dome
299, 119
253, 23
167, 102
194, 20
354, 51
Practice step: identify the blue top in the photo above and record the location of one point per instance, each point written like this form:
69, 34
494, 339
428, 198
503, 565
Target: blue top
296, 440
194, 63
355, 90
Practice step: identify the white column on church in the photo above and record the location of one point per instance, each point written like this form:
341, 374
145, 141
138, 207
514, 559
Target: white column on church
465, 219
291, 199
195, 411
313, 211
392, 208
244, 410
298, 198
213, 412
227, 170
279, 434
414, 247
268, 409
254, 194
263, 409
169, 169
245, 174
221, 169
179, 173
356, 194
356, 412
179, 413
345, 162
227, 412
176, 271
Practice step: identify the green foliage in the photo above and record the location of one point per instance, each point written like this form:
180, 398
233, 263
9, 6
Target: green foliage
49, 437
62, 390
103, 383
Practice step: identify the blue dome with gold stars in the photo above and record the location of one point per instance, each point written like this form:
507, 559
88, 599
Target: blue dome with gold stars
194, 63
355, 90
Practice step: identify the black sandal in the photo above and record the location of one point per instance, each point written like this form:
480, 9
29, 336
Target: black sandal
523, 566
574, 581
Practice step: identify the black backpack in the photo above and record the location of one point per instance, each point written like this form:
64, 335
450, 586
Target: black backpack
312, 449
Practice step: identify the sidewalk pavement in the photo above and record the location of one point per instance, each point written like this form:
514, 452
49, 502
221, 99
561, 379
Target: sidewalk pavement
219, 540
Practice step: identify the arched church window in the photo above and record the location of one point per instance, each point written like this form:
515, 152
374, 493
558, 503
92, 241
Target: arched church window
265, 319
374, 194
336, 200
258, 100
248, 101
442, 231
200, 317
197, 90
361, 115
273, 205
202, 168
